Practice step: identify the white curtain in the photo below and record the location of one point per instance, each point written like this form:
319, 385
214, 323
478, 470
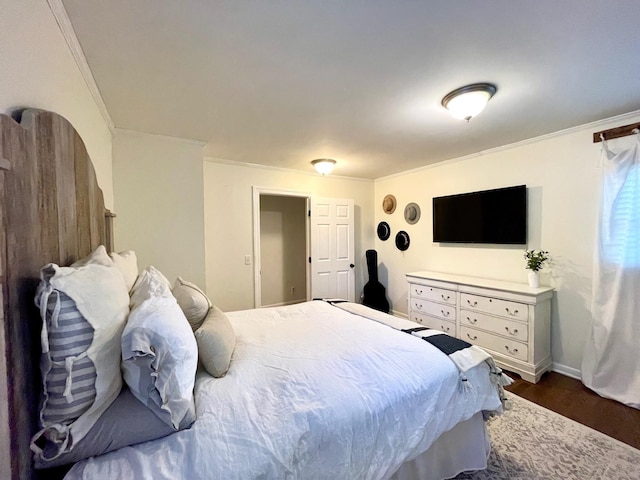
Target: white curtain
611, 361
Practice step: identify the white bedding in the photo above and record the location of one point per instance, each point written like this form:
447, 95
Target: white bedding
313, 392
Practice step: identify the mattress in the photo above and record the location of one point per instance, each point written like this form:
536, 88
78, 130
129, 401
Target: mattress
312, 392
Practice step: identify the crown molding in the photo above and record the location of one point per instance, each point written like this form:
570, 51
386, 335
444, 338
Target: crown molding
69, 34
629, 116
283, 169
130, 131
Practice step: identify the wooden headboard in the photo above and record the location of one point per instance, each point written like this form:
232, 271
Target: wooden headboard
51, 210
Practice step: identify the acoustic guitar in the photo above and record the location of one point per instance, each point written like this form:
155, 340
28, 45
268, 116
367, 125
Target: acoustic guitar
374, 293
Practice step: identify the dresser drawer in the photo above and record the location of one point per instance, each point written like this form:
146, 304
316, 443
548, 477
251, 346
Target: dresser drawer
437, 323
446, 312
497, 344
433, 293
504, 308
502, 326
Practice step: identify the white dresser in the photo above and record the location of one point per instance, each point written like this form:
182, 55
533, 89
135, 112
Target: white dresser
512, 321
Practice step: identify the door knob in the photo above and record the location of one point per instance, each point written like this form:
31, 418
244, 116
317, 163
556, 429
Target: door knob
352, 265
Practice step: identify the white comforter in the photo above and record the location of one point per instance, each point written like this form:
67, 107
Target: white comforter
313, 392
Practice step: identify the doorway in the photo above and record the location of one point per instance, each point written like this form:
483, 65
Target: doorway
292, 234
281, 247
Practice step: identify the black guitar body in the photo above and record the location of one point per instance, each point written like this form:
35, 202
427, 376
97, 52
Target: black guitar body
374, 293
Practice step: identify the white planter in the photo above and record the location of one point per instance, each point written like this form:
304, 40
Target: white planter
534, 279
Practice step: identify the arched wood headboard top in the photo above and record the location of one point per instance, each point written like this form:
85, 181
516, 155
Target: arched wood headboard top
51, 210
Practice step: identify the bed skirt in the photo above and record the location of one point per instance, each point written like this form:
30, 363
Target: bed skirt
465, 447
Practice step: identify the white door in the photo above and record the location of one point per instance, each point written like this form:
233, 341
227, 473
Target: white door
332, 249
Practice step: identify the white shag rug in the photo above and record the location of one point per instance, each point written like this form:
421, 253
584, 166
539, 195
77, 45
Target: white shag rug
530, 442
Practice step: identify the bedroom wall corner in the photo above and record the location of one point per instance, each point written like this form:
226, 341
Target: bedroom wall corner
38, 70
159, 202
229, 224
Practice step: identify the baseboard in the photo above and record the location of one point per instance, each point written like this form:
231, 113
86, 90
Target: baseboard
568, 371
399, 314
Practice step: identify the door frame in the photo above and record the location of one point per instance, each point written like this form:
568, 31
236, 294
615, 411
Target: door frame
257, 280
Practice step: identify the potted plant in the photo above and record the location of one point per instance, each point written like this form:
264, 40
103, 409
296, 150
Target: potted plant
535, 261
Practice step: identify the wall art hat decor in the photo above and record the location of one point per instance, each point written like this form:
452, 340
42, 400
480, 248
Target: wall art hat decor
412, 213
402, 240
389, 204
384, 231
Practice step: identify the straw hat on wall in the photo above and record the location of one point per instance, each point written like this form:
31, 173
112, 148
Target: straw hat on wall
389, 204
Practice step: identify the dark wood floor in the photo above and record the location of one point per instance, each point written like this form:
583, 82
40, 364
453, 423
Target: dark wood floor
569, 397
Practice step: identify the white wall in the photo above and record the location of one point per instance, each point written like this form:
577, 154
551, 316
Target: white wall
229, 227
159, 203
37, 70
562, 178
283, 249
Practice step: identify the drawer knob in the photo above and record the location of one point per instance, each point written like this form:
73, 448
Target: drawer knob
472, 320
446, 314
511, 332
515, 312
473, 304
445, 298
475, 337
419, 306
511, 351
419, 292
445, 329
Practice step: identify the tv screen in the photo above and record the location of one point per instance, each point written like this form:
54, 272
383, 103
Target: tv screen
491, 216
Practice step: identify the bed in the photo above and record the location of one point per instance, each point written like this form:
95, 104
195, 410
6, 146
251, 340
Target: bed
313, 390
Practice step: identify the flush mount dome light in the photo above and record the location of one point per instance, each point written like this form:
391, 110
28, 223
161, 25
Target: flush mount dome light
323, 166
468, 101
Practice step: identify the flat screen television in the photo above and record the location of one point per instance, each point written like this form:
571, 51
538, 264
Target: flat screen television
496, 216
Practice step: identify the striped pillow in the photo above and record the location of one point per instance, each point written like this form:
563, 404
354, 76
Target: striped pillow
83, 309
69, 375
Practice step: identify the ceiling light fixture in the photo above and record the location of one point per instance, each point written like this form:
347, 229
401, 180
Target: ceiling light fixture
323, 166
468, 101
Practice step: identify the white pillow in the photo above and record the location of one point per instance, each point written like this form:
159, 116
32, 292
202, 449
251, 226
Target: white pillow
216, 342
150, 282
98, 257
84, 308
194, 302
127, 263
159, 351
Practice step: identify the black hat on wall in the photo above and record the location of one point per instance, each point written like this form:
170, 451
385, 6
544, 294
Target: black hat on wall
402, 240
384, 231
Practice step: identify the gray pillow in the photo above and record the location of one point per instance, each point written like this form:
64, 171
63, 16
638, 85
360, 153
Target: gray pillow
216, 342
126, 422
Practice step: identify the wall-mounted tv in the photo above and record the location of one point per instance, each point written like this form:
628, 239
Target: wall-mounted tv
491, 216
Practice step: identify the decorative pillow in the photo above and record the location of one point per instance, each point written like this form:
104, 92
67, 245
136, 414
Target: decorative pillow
216, 342
127, 263
98, 257
159, 352
193, 302
84, 308
126, 422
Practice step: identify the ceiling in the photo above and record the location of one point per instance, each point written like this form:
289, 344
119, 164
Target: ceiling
282, 82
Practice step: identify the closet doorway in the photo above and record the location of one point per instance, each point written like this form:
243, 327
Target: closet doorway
281, 247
